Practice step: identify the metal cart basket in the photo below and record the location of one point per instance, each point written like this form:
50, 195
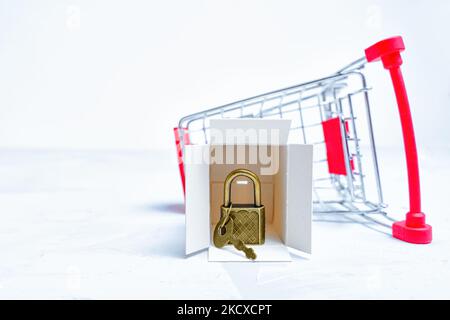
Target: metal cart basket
333, 114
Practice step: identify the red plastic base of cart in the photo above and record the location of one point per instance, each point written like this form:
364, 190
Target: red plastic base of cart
408, 231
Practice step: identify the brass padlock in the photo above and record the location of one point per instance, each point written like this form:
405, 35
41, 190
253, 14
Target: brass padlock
248, 219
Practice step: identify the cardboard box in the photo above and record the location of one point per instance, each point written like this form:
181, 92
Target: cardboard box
285, 172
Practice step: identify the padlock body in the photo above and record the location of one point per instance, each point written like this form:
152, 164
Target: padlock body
249, 222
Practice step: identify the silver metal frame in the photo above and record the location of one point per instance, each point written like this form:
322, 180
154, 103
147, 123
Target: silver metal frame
329, 97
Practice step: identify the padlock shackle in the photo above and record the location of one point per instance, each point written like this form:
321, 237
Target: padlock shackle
242, 173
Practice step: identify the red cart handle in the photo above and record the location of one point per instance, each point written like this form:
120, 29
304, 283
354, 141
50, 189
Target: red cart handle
413, 229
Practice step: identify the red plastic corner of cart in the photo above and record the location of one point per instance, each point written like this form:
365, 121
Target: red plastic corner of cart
334, 147
413, 229
179, 147
412, 234
384, 47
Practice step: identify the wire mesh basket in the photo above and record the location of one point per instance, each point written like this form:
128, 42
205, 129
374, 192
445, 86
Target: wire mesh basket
333, 114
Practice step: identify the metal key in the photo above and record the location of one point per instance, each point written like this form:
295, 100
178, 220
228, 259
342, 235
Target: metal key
223, 234
223, 230
239, 245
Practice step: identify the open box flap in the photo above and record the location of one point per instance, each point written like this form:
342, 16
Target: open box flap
299, 197
197, 198
281, 125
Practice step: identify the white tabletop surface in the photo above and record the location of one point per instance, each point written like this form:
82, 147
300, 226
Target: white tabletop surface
110, 224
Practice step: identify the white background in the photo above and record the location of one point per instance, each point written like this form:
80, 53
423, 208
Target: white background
90, 223
120, 74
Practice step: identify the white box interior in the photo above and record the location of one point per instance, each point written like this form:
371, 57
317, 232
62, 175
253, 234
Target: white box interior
273, 197
287, 195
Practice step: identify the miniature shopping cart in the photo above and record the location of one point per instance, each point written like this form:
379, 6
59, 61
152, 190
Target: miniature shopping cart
333, 114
